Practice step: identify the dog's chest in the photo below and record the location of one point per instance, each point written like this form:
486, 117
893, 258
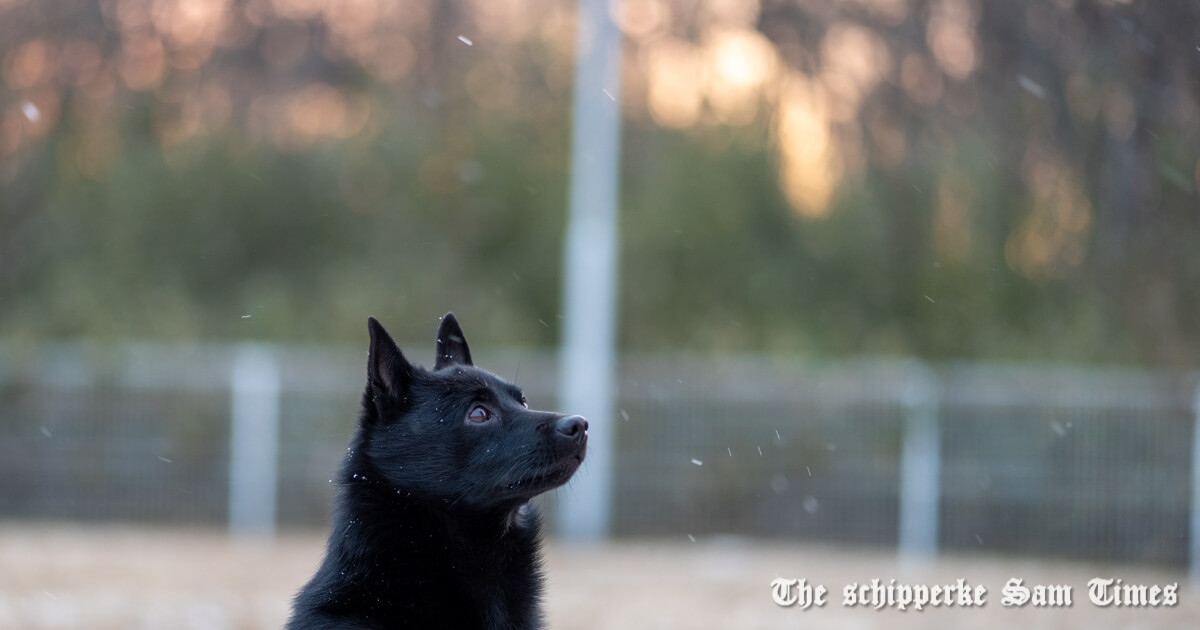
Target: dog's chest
507, 587
487, 578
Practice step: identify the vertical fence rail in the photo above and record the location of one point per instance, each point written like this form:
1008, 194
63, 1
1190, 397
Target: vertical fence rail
920, 467
253, 442
1194, 540
590, 274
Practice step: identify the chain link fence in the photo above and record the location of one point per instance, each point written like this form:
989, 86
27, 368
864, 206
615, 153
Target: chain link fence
1089, 463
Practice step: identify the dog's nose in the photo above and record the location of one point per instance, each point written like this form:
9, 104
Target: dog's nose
574, 427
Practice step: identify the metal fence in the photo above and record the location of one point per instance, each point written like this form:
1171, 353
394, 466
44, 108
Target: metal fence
1033, 459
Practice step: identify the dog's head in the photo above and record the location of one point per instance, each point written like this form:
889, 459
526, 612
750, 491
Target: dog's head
458, 434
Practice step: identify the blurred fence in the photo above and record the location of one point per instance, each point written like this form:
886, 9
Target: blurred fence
1074, 462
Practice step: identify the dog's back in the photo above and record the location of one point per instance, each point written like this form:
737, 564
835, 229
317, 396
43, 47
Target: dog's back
433, 526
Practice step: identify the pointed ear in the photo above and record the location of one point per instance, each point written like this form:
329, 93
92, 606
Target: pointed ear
451, 344
388, 372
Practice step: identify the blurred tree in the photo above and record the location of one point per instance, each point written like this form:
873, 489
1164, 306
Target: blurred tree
945, 178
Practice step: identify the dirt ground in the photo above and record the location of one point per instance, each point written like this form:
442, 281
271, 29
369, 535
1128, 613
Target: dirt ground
132, 578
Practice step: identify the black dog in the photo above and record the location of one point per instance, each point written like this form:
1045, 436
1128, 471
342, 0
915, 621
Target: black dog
433, 526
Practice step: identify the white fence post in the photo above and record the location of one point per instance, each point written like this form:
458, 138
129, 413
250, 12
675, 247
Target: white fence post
253, 441
920, 466
1194, 542
590, 269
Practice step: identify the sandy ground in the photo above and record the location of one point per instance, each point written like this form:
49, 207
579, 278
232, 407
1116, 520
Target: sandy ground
129, 578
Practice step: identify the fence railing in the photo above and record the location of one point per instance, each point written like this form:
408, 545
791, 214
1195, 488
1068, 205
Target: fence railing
1095, 463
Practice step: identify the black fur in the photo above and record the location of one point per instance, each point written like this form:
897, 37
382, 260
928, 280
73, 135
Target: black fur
433, 526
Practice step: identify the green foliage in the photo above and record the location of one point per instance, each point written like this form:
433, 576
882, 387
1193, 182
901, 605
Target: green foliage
443, 203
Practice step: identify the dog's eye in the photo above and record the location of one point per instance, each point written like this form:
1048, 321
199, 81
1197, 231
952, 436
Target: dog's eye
524, 403
479, 414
